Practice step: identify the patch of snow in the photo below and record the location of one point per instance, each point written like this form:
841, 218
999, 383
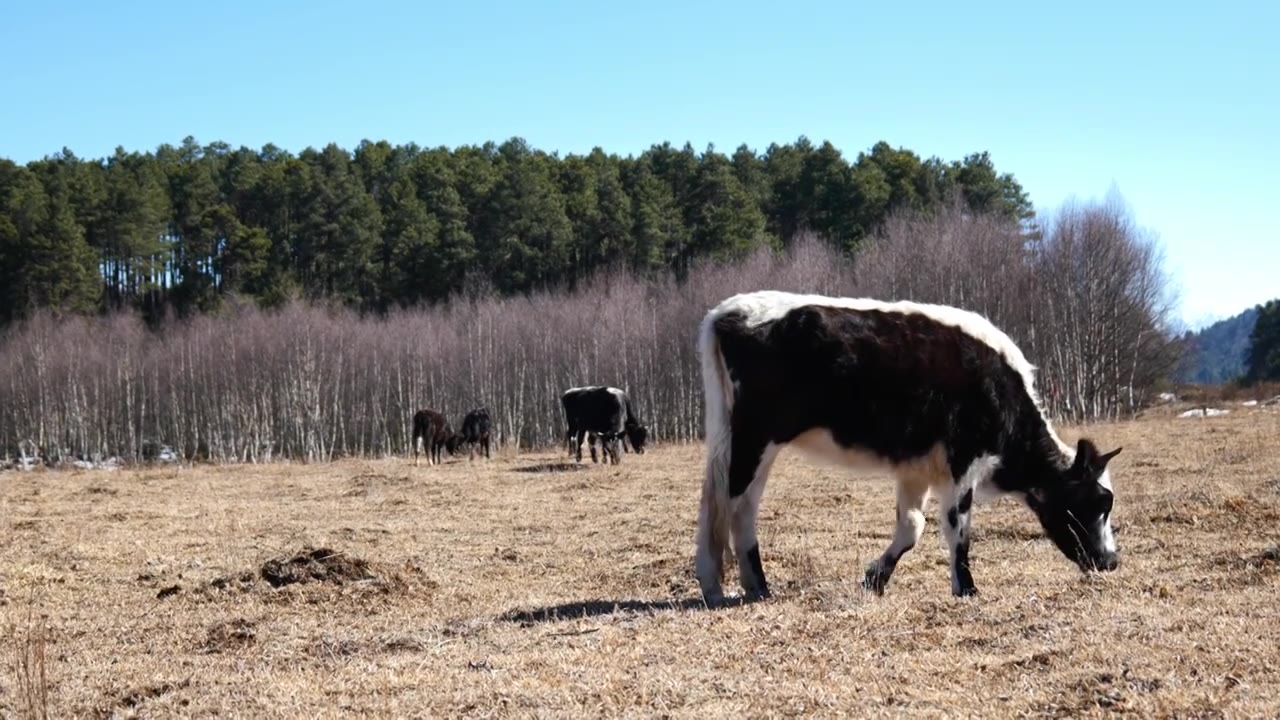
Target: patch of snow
1167, 397
156, 451
111, 463
1250, 403
1203, 412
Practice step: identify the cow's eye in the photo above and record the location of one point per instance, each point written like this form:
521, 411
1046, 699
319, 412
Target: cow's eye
1105, 503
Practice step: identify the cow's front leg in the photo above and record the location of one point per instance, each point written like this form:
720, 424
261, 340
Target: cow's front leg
955, 509
955, 512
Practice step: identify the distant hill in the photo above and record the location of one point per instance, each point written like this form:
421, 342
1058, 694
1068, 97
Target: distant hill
1216, 354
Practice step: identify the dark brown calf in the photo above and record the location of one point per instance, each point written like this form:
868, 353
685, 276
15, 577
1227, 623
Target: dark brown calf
431, 429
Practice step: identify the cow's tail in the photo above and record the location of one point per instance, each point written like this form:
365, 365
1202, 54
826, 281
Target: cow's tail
568, 427
713, 514
417, 435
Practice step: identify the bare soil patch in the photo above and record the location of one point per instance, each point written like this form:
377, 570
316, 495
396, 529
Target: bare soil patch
315, 565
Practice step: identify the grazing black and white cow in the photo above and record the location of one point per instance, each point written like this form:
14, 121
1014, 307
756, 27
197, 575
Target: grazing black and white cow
476, 427
432, 429
935, 394
574, 410
605, 412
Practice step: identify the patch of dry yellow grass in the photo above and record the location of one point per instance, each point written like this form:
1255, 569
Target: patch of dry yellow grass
481, 573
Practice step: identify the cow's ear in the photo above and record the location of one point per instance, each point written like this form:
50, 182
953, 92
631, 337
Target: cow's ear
1104, 459
1086, 455
1089, 461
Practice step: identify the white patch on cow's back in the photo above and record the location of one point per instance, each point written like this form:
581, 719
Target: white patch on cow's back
571, 391
620, 395
765, 305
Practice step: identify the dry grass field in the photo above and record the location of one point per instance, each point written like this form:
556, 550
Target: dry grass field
525, 586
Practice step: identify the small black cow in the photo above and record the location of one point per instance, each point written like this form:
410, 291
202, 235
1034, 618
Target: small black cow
935, 394
431, 429
605, 412
476, 427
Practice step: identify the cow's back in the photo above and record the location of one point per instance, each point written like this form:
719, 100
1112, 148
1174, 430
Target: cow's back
597, 408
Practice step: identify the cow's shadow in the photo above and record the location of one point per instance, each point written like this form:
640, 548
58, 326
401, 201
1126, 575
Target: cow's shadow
594, 608
552, 467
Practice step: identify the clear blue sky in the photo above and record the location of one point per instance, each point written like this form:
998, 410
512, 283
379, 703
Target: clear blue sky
1177, 106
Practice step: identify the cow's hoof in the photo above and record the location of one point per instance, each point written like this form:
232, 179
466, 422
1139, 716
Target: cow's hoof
875, 581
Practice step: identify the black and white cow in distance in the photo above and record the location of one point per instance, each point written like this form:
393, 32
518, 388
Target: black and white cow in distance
605, 412
576, 402
935, 394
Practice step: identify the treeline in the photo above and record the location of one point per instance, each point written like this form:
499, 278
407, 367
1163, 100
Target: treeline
183, 228
1216, 354
1263, 360
1082, 292
1243, 350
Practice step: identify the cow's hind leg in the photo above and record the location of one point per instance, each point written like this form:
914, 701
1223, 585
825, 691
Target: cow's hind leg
748, 472
912, 496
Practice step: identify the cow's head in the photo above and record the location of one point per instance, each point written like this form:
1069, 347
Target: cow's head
1076, 513
453, 442
636, 435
